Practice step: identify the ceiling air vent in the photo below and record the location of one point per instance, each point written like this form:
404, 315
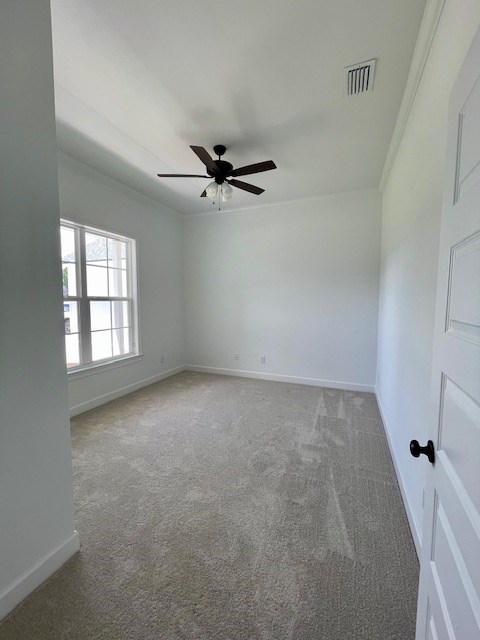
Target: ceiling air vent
359, 78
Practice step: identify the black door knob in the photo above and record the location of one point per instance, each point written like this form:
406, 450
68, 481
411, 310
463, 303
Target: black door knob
429, 450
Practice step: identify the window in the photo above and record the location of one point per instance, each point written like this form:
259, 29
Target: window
99, 296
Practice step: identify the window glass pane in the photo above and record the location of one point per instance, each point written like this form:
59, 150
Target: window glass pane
97, 283
108, 279
121, 342
72, 350
101, 345
67, 237
96, 249
117, 253
120, 315
100, 315
70, 314
117, 282
69, 279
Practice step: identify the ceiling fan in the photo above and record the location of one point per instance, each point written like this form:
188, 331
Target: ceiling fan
223, 174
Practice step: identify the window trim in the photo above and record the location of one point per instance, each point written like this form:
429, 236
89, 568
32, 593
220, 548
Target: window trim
82, 300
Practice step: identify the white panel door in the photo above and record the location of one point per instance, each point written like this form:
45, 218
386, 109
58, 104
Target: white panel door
449, 593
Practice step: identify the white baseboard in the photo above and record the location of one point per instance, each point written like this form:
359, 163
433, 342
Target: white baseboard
117, 393
33, 577
313, 382
412, 521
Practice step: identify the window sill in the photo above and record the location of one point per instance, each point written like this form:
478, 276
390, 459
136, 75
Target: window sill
88, 370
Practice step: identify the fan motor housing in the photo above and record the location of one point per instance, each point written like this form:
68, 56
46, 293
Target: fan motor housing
224, 169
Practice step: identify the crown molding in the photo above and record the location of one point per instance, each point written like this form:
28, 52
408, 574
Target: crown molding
85, 169
426, 34
280, 203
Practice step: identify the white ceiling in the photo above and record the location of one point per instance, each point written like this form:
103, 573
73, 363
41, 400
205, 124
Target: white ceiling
139, 81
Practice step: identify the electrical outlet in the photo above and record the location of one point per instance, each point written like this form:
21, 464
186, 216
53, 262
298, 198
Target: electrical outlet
162, 359
237, 356
263, 360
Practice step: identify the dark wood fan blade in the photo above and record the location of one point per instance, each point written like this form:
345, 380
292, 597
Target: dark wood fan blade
253, 168
180, 175
246, 186
203, 194
205, 157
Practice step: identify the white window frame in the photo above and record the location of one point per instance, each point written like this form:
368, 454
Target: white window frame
87, 365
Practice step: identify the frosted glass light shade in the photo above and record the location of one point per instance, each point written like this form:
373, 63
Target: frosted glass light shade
212, 190
227, 191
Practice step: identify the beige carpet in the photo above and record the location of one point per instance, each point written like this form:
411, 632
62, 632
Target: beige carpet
218, 508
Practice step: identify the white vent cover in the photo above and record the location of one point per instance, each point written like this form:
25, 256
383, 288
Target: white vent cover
359, 77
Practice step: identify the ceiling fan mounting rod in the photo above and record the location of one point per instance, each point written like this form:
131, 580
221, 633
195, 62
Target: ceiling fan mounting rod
219, 149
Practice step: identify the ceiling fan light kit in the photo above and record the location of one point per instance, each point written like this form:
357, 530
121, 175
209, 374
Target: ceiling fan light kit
214, 190
223, 174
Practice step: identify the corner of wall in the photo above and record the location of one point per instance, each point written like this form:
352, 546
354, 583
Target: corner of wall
412, 521
20, 588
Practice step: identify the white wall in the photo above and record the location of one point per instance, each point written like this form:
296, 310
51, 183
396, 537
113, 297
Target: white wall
88, 197
36, 492
295, 282
410, 233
